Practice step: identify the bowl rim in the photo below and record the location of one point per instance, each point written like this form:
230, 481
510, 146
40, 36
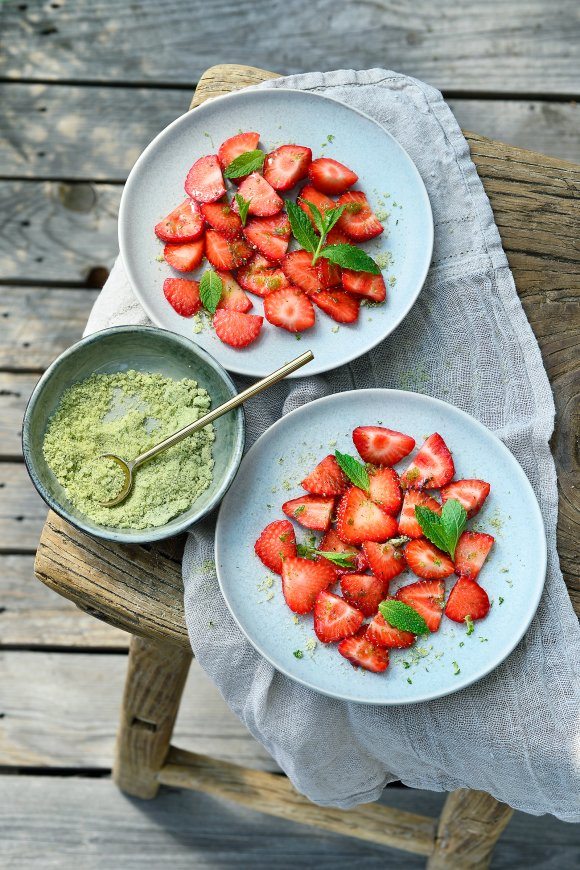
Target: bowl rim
144, 536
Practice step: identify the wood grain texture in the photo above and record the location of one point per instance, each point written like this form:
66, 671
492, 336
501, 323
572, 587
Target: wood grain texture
22, 511
467, 831
15, 390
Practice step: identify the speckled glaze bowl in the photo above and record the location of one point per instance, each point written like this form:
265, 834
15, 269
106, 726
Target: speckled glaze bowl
145, 349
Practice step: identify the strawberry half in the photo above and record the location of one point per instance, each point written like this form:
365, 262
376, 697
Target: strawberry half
311, 511
363, 591
303, 580
381, 633
327, 478
408, 523
269, 235
358, 220
331, 543
235, 328
233, 297
339, 305
425, 560
183, 224
467, 599
469, 493
204, 180
381, 446
329, 274
298, 268
372, 287
359, 519
471, 552
432, 467
286, 166
385, 560
183, 295
427, 598
263, 199
324, 203
235, 146
220, 217
337, 237
185, 258
276, 544
261, 277
330, 176
335, 618
289, 309
385, 489
225, 254
362, 652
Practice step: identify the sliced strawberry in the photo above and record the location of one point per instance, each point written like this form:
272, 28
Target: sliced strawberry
235, 146
185, 258
331, 543
269, 235
408, 523
381, 633
183, 224
427, 598
287, 165
261, 277
385, 489
327, 478
337, 237
467, 599
432, 467
329, 274
323, 203
289, 309
220, 217
362, 652
359, 519
298, 268
204, 180
226, 254
235, 328
358, 220
330, 176
311, 511
471, 552
233, 297
183, 295
303, 580
372, 287
339, 305
263, 199
469, 493
385, 560
381, 446
364, 591
276, 544
335, 618
425, 560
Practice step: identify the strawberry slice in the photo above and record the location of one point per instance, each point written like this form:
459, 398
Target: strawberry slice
183, 224
204, 180
263, 199
185, 258
289, 309
362, 652
471, 552
261, 277
467, 599
276, 544
408, 523
226, 254
427, 598
183, 295
372, 287
311, 511
298, 268
339, 305
469, 493
324, 203
235, 328
233, 297
220, 217
235, 146
425, 560
329, 274
381, 446
335, 618
330, 176
385, 560
269, 235
327, 478
331, 543
358, 220
303, 580
364, 591
286, 166
432, 467
359, 519
337, 237
381, 633
385, 489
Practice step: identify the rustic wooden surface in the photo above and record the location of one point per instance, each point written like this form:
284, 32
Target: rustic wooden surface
468, 828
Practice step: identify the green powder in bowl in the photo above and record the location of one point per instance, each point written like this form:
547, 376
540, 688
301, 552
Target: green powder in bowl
126, 413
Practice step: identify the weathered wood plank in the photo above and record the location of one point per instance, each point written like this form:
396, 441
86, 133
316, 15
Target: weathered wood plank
509, 47
15, 390
22, 511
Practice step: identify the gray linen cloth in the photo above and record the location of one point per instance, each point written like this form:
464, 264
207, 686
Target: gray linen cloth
515, 734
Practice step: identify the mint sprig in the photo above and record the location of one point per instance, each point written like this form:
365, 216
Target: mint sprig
402, 616
350, 257
445, 530
301, 227
341, 560
243, 207
354, 470
210, 290
249, 161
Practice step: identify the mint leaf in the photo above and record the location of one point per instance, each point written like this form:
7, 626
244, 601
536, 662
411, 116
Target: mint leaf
317, 216
298, 654
350, 257
342, 560
401, 616
431, 526
354, 470
469, 625
249, 161
243, 206
301, 227
453, 518
210, 290
332, 216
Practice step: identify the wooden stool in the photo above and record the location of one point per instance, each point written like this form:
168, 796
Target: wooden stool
139, 589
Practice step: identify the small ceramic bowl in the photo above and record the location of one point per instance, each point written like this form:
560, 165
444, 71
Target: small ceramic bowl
145, 349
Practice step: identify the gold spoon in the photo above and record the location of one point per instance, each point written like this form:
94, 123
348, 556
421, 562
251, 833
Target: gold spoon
128, 466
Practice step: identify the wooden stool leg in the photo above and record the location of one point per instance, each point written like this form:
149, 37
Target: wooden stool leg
469, 827
155, 679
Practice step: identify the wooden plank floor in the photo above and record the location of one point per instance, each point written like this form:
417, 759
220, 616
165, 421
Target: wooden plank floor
83, 87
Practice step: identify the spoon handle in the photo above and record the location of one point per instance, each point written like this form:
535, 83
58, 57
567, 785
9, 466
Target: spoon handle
232, 403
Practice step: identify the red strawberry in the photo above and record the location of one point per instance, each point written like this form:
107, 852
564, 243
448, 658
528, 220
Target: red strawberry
331, 543
303, 580
385, 489
235, 146
334, 618
381, 633
425, 560
432, 467
364, 591
225, 254
362, 652
358, 220
289, 309
323, 203
233, 297
185, 258
204, 180
381, 446
408, 523
467, 599
286, 166
269, 235
183, 295
337, 237
263, 199
261, 277
471, 552
276, 544
327, 478
359, 519
220, 217
339, 305
330, 176
298, 268
183, 224
427, 598
364, 284
385, 560
329, 274
235, 328
311, 511
469, 493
